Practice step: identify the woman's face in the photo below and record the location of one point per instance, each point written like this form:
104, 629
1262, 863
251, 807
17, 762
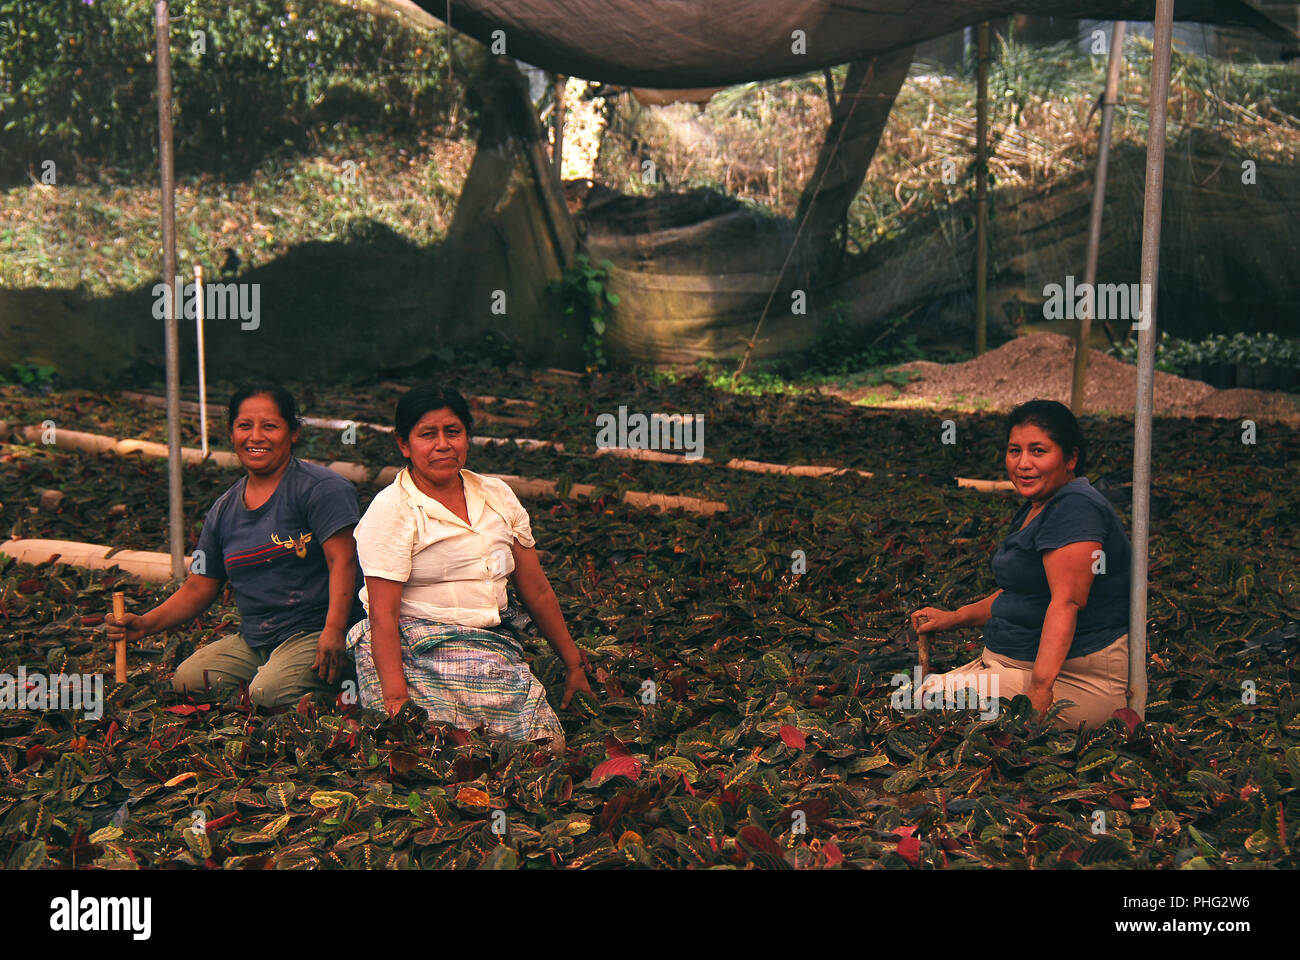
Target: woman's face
437, 447
261, 437
1036, 463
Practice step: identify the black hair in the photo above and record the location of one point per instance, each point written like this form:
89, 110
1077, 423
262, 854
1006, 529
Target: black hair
1058, 422
282, 398
424, 397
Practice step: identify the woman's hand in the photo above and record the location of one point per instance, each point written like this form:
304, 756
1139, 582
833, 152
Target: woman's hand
393, 704
1040, 696
132, 627
575, 680
934, 620
331, 655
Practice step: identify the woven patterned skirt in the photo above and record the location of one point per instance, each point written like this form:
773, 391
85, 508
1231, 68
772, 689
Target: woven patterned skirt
467, 676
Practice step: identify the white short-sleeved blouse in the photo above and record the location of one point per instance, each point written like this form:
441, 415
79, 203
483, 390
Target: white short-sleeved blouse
453, 571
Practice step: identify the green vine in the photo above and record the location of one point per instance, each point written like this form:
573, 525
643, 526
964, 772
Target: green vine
584, 293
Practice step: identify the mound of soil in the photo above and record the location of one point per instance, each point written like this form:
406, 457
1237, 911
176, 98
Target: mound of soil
1041, 365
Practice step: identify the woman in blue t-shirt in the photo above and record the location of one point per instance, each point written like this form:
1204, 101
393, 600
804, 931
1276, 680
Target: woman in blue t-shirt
1057, 627
282, 536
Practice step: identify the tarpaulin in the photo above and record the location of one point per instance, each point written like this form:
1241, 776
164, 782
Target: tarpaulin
671, 44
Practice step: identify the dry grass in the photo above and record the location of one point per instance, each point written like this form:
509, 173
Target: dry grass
759, 141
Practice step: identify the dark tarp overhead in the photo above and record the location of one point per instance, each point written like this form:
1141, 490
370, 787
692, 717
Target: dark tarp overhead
702, 43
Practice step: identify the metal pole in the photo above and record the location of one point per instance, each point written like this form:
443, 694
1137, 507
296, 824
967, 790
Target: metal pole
1098, 202
175, 511
981, 192
1151, 208
203, 365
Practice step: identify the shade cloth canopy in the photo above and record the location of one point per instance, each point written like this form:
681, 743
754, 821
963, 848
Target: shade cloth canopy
699, 43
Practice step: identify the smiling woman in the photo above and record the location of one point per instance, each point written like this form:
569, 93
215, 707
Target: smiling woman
1057, 629
282, 536
438, 547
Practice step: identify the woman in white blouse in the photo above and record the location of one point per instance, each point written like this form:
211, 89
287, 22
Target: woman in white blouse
437, 547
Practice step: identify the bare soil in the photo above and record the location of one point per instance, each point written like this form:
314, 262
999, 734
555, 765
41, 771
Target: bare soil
1041, 365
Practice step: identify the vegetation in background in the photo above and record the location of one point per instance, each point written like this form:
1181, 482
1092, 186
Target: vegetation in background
249, 77
584, 294
1042, 128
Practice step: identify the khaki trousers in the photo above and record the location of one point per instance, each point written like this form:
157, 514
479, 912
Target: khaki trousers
276, 677
1097, 683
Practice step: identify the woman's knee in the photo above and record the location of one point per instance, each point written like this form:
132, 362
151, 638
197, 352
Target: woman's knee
194, 676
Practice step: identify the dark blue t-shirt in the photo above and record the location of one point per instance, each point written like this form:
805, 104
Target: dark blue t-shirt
1076, 512
272, 555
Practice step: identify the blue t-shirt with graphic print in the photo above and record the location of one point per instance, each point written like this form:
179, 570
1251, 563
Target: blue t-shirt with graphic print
1077, 512
272, 556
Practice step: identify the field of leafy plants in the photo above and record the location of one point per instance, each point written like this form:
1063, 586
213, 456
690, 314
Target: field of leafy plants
771, 741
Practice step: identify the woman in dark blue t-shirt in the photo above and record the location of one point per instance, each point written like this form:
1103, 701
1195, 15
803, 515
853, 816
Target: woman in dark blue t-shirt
1057, 627
282, 536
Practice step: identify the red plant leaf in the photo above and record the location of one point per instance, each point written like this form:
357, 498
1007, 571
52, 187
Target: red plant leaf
36, 751
754, 839
834, 856
793, 738
614, 747
1131, 719
31, 585
616, 766
909, 847
186, 709
93, 620
458, 737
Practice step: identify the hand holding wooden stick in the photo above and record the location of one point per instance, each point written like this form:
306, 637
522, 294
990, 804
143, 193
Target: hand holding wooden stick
119, 646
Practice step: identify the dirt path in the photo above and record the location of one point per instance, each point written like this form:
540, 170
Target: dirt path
1041, 366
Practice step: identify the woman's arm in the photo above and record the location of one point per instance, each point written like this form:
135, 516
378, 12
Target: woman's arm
341, 557
978, 613
536, 594
385, 598
936, 620
194, 596
1069, 576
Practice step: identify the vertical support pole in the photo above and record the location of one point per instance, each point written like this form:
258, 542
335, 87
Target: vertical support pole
175, 512
203, 364
1113, 67
557, 151
981, 192
119, 646
1152, 203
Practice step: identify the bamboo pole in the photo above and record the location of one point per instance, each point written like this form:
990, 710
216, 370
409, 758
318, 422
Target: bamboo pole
203, 366
1152, 203
981, 192
119, 646
1113, 66
175, 504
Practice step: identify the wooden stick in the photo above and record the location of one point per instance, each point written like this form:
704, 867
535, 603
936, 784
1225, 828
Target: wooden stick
119, 611
922, 642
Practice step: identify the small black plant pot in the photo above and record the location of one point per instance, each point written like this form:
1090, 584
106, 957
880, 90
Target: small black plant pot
1219, 375
1288, 379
